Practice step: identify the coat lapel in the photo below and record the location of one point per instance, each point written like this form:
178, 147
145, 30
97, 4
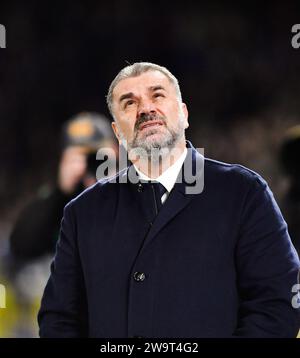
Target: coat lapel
181, 195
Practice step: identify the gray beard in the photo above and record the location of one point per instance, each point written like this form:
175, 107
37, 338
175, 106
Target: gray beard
156, 150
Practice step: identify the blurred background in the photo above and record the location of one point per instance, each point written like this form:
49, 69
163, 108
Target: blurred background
238, 72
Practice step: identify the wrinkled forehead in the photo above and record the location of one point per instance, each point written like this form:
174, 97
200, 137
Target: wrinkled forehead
142, 83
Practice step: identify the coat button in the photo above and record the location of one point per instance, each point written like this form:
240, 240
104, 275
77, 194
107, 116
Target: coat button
139, 276
140, 188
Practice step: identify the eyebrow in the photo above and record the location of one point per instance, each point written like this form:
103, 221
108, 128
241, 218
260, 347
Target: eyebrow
130, 94
156, 88
125, 96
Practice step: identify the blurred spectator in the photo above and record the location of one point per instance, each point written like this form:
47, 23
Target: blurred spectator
34, 236
289, 157
36, 230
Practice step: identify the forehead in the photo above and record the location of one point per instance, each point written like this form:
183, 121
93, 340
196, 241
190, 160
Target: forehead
142, 82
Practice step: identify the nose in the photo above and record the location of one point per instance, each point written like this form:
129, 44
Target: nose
146, 106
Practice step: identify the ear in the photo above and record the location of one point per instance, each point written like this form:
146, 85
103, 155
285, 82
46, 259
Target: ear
186, 114
116, 130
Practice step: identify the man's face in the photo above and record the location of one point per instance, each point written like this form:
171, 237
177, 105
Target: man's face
148, 112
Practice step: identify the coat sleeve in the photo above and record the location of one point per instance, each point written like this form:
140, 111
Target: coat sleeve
267, 268
63, 311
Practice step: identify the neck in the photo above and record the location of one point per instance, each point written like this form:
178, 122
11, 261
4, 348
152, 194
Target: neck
154, 167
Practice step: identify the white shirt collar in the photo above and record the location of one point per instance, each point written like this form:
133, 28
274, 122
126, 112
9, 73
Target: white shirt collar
169, 176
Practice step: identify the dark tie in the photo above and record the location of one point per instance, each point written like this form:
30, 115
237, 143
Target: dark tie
159, 190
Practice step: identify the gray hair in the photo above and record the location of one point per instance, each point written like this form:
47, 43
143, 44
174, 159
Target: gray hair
135, 70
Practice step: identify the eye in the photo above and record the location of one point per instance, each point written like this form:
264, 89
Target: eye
129, 103
158, 94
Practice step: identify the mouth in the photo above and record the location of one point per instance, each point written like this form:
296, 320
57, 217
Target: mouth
151, 124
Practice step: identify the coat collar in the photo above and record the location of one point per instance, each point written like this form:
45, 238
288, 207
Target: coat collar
190, 182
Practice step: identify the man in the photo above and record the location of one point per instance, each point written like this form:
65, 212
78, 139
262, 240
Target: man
150, 258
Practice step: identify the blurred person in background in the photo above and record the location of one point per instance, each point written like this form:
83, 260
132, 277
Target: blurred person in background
289, 158
37, 227
33, 238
